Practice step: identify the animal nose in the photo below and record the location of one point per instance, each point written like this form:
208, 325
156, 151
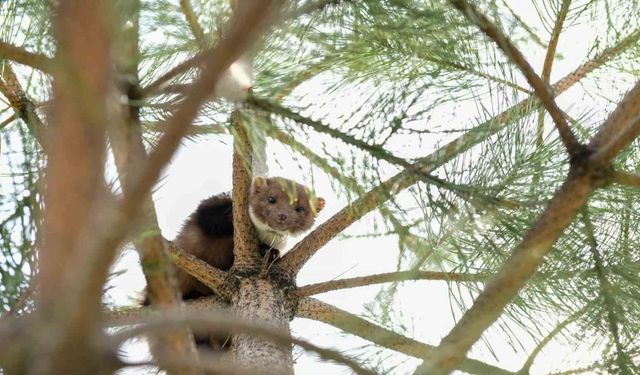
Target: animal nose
282, 217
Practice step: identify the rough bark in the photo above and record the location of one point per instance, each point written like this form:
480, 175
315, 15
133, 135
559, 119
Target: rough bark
258, 299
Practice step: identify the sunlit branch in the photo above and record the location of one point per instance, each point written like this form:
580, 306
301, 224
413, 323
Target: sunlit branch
328, 286
542, 89
606, 291
626, 178
311, 308
295, 259
24, 57
220, 321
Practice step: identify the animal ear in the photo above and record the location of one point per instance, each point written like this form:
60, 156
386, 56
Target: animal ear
257, 183
319, 204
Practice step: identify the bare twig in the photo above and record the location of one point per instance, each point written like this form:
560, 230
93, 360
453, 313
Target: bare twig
24, 57
311, 308
328, 286
542, 89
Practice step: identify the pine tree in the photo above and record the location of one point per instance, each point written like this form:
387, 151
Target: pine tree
446, 123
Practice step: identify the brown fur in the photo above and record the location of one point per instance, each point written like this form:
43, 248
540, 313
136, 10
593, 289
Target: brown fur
208, 232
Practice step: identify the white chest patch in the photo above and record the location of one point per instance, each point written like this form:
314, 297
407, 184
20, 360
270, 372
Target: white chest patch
275, 239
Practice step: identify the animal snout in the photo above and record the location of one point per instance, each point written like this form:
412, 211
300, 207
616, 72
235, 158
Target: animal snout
282, 217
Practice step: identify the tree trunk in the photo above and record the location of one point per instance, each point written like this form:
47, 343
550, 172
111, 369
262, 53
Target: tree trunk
259, 299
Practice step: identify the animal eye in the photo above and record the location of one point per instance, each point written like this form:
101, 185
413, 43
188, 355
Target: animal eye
299, 209
271, 200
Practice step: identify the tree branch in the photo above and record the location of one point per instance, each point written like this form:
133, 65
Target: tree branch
328, 286
24, 57
229, 322
244, 237
606, 291
584, 178
311, 308
295, 259
626, 178
24, 107
121, 317
621, 128
549, 59
68, 309
192, 20
214, 278
129, 155
542, 89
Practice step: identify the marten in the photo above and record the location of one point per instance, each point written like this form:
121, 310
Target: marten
278, 208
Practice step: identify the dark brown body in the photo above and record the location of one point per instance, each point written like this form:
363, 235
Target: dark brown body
276, 205
207, 234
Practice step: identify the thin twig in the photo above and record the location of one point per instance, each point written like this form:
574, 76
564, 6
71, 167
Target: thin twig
606, 291
332, 285
549, 59
547, 339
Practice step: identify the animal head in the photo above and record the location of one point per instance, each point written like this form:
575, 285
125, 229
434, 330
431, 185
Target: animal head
283, 205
